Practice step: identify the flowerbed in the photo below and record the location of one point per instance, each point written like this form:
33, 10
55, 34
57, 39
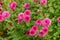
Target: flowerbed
29, 19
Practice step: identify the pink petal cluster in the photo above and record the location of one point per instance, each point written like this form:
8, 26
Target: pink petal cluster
32, 31
35, 28
5, 14
24, 16
1, 18
13, 5
27, 12
20, 17
43, 32
58, 19
43, 2
0, 10
46, 22
26, 5
35, 0
38, 22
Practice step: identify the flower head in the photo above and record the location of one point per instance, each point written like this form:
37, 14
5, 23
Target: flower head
27, 32
5, 14
26, 18
26, 5
0, 10
43, 2
1, 18
13, 5
45, 29
27, 12
38, 22
41, 33
58, 19
35, 28
32, 32
46, 22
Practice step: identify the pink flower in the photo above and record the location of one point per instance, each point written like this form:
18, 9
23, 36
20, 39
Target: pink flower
26, 18
32, 33
26, 5
20, 17
35, 28
38, 22
45, 29
58, 19
4, 39
41, 33
46, 22
1, 18
35, 0
13, 5
0, 10
27, 12
27, 32
43, 2
5, 14
19, 20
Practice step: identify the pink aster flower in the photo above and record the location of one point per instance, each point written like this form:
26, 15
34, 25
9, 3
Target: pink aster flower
41, 33
0, 10
1, 18
32, 32
35, 0
38, 22
13, 5
45, 29
19, 20
20, 17
43, 2
4, 39
27, 12
58, 19
26, 18
35, 28
26, 5
46, 22
27, 32
5, 14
